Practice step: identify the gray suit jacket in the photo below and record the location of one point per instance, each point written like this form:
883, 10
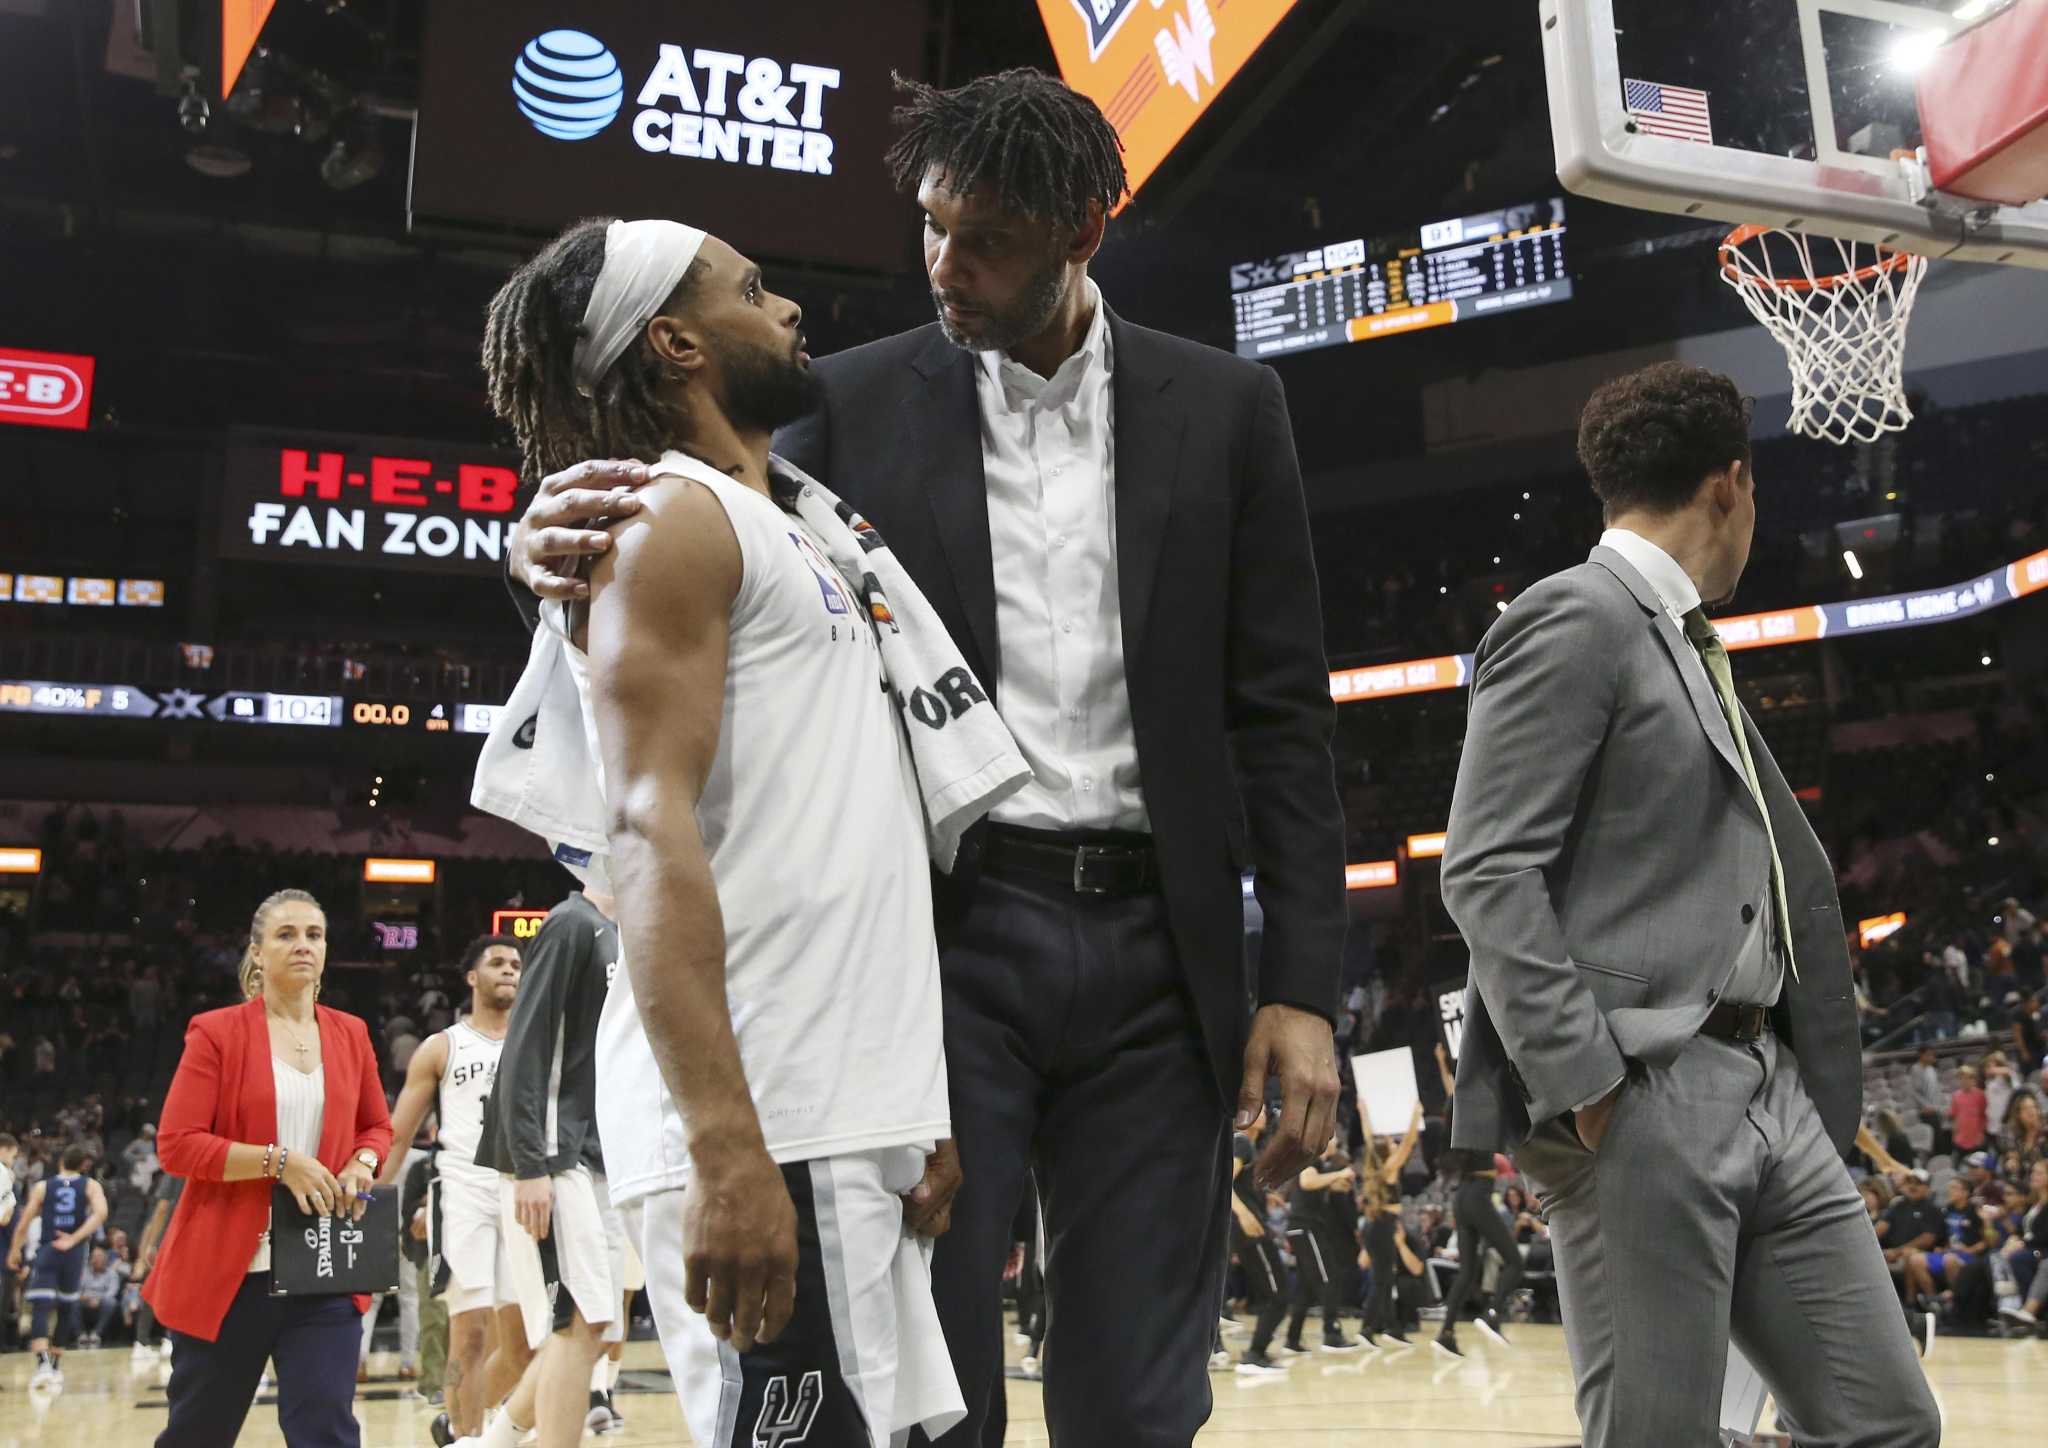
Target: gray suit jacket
1605, 859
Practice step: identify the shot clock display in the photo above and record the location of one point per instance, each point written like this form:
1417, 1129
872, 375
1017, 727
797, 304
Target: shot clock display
1359, 290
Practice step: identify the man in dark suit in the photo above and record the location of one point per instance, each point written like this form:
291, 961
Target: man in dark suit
1110, 522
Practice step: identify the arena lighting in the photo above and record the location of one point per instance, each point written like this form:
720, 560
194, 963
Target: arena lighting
1374, 875
1425, 847
1880, 927
1850, 562
378, 871
22, 861
519, 924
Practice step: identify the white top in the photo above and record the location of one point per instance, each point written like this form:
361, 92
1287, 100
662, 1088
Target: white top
466, 1080
812, 824
301, 1101
1048, 452
6, 1194
1759, 969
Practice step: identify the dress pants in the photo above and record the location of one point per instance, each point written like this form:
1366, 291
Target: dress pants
1716, 1208
313, 1341
1073, 1051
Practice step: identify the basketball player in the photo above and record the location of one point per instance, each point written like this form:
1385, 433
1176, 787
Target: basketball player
771, 1073
72, 1207
452, 1072
564, 1239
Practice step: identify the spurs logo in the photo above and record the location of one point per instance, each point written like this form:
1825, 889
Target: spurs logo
785, 1420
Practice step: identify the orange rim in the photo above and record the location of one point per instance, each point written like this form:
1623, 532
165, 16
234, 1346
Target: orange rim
1889, 258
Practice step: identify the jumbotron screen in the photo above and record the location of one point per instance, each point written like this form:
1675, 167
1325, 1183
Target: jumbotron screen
1357, 290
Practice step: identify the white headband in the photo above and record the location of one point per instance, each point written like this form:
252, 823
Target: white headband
643, 262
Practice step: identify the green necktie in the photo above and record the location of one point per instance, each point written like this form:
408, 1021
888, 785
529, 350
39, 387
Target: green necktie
1699, 629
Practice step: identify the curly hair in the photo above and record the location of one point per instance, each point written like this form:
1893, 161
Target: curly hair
530, 334
1027, 140
1649, 438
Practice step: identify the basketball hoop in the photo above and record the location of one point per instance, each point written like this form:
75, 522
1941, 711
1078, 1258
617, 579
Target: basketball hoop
1843, 327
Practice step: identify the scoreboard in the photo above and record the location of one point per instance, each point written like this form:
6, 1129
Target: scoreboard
1359, 290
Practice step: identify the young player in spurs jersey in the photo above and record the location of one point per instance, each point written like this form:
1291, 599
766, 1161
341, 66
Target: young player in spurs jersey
770, 1070
452, 1073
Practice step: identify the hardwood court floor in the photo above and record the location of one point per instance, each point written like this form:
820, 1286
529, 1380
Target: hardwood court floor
1991, 1394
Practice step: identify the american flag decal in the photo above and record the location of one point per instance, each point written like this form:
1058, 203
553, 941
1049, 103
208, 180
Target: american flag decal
1677, 111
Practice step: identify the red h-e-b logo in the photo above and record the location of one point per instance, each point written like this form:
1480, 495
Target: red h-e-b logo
45, 389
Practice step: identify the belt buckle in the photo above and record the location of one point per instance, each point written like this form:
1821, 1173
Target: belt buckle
1081, 885
1749, 1024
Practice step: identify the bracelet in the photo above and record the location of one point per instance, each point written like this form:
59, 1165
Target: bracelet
268, 1152
283, 1156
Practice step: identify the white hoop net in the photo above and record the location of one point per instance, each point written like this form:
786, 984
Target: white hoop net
1842, 323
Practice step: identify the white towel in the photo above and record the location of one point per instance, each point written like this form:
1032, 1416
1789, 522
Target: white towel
538, 768
539, 771
966, 761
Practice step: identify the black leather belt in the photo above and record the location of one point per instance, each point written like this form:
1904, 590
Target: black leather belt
1737, 1023
1085, 869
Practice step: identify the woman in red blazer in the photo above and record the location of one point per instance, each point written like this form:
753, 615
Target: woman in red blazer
277, 1089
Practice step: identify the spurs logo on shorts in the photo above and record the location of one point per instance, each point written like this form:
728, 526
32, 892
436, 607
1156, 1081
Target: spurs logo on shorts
783, 1421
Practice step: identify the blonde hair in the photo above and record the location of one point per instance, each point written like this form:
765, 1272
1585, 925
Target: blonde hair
250, 972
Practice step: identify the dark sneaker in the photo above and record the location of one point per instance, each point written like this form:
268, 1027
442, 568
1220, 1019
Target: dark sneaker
440, 1431
1258, 1365
1293, 1349
1337, 1342
1447, 1341
1490, 1324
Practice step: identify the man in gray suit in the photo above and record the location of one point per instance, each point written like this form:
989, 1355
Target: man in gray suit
1660, 1021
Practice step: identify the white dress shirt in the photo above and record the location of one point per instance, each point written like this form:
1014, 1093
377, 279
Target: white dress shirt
1760, 970
1048, 451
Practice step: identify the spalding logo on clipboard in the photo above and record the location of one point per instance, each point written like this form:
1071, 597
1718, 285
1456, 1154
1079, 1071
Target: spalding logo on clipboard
313, 1254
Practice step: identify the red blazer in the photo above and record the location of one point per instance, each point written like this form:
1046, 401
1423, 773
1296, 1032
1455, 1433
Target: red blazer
224, 1093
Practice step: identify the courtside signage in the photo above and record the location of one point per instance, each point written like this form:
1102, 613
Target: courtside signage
1154, 66
45, 389
725, 115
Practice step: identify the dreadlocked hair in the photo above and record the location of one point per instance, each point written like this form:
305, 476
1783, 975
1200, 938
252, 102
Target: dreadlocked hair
530, 333
1025, 139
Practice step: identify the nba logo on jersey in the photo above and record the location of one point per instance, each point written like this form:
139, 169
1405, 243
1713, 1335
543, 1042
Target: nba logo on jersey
828, 581
783, 1421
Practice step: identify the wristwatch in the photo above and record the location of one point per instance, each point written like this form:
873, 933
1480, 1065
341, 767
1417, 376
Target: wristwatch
369, 1159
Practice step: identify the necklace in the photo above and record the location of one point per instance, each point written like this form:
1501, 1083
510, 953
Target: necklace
298, 1042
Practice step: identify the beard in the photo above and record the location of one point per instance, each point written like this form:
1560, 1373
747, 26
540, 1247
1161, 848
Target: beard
764, 388
1031, 313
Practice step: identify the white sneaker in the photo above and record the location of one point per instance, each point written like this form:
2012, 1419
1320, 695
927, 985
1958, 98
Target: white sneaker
1219, 1362
56, 1383
39, 1380
142, 1355
1032, 1370
163, 1349
2019, 1315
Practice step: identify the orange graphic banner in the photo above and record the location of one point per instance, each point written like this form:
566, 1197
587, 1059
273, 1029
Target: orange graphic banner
241, 21
1154, 66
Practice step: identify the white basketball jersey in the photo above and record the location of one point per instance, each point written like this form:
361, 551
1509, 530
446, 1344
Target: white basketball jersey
465, 1082
815, 834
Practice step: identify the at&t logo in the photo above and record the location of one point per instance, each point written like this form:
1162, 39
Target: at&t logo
568, 85
706, 105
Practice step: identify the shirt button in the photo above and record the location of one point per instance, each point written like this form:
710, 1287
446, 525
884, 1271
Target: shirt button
1087, 784
1059, 472
1073, 716
1066, 626
1748, 913
1060, 542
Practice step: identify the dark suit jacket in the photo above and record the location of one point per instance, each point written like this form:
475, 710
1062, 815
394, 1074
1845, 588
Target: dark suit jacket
1222, 630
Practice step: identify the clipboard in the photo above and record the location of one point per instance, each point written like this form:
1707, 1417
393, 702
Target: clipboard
321, 1255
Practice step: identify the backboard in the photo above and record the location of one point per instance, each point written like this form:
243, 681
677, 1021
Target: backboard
1779, 112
